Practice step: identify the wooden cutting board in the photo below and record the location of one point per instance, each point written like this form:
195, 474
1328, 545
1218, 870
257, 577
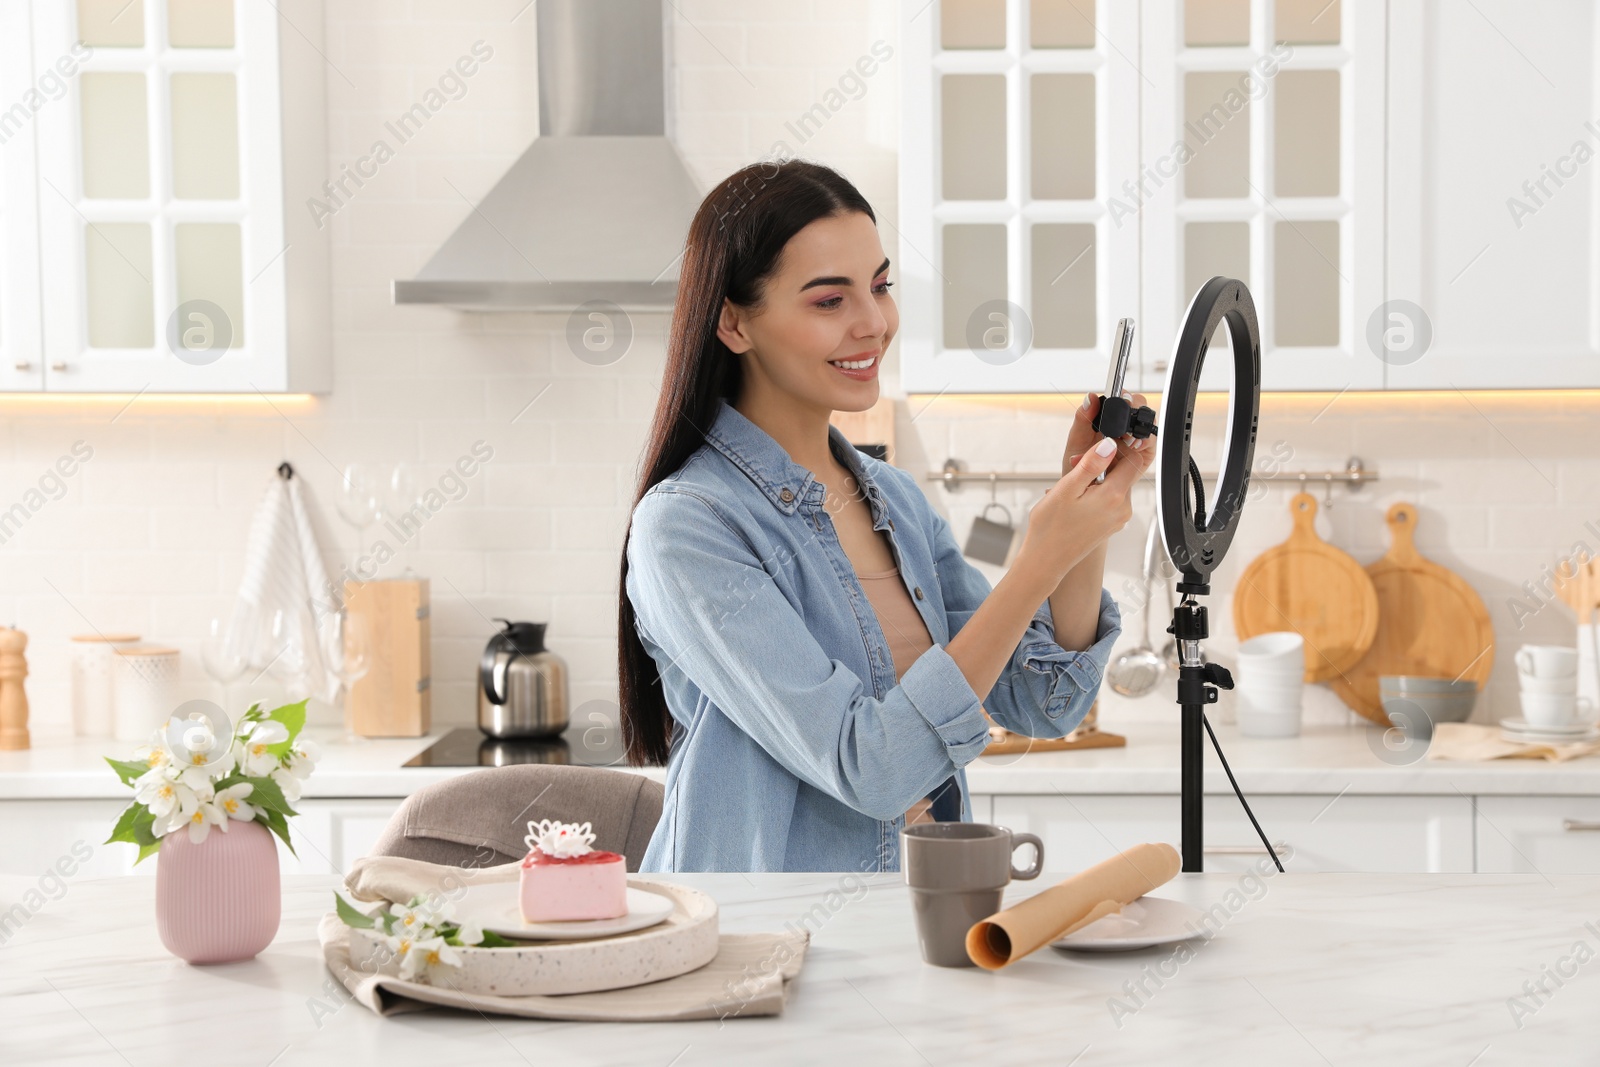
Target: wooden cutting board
1308, 586
1430, 623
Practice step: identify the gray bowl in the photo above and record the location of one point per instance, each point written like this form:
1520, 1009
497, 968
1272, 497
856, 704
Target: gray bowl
1416, 713
1415, 683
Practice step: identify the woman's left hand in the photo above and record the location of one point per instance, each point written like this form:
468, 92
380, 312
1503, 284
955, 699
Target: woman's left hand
1083, 436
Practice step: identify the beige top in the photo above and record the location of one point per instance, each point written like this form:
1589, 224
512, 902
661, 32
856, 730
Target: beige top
908, 638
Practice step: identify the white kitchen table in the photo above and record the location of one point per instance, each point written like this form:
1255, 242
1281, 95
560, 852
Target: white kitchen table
1302, 969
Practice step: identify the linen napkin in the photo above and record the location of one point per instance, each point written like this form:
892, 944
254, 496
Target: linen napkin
1472, 741
750, 975
1007, 936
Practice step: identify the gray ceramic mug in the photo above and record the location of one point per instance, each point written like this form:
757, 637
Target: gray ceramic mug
958, 873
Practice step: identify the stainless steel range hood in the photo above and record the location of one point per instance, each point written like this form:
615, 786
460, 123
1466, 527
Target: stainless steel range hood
598, 207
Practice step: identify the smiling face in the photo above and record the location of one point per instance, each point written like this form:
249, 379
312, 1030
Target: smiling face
826, 318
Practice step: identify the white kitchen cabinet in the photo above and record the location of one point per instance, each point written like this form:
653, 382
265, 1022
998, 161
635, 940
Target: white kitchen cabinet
1546, 835
1410, 190
1350, 833
21, 362
1494, 193
175, 177
329, 835
35, 834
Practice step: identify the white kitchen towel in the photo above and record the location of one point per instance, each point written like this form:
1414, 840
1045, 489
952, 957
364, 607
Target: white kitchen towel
285, 570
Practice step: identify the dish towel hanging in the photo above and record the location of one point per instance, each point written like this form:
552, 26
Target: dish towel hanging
285, 570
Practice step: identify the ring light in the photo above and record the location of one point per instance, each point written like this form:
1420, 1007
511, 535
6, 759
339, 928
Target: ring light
1196, 548
1195, 542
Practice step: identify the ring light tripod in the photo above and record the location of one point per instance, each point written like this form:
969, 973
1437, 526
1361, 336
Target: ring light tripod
1196, 542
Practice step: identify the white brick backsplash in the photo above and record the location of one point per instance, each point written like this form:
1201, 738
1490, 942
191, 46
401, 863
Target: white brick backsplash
150, 533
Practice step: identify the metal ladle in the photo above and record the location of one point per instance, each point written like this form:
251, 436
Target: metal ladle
1137, 672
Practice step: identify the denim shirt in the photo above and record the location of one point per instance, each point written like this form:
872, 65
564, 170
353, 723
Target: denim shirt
793, 747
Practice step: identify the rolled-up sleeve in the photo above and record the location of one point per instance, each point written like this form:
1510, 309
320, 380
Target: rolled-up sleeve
707, 606
1045, 690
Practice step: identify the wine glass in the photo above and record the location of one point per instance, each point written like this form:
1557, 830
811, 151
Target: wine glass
399, 491
347, 653
359, 502
289, 663
222, 657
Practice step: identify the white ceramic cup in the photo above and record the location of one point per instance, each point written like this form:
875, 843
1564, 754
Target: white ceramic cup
1547, 661
1273, 652
1549, 709
1532, 683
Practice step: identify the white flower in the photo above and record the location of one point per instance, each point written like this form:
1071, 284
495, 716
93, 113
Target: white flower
155, 754
403, 946
431, 954
413, 922
257, 761
303, 756
469, 933
288, 783
200, 817
162, 795
232, 802
202, 767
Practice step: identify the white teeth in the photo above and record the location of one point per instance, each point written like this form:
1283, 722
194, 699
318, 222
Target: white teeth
853, 364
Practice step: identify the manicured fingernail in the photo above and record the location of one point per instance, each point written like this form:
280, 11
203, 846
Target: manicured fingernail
1105, 447
1088, 398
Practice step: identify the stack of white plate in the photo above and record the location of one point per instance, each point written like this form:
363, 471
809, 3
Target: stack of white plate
1523, 732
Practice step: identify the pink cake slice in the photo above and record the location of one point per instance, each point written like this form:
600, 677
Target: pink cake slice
591, 886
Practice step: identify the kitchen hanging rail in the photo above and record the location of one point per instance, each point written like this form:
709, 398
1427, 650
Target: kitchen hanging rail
1354, 475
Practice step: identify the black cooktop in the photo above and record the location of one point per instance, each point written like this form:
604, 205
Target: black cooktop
468, 746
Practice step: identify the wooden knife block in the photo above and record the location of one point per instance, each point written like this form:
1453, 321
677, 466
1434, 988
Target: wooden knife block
394, 697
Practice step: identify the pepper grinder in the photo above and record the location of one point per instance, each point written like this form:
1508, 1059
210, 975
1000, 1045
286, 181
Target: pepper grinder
13, 698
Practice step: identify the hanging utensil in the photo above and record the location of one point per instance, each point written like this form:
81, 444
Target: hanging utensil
1138, 672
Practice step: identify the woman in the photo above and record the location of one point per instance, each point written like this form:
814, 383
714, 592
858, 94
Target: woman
801, 641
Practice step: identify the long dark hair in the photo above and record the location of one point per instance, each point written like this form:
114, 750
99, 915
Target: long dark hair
733, 247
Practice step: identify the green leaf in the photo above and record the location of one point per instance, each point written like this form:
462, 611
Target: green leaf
128, 770
493, 940
274, 821
147, 850
144, 828
123, 831
350, 916
268, 794
293, 717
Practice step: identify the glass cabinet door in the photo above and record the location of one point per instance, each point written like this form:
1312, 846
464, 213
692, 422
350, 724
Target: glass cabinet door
161, 199
1263, 159
1014, 262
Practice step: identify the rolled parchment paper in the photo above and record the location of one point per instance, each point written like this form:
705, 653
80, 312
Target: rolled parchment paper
1007, 936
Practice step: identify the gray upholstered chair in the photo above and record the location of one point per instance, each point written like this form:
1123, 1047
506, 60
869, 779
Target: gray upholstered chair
481, 818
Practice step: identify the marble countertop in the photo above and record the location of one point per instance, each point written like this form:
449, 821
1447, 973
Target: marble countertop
1296, 969
1327, 758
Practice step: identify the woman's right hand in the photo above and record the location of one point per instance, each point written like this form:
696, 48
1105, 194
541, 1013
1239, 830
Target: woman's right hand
1076, 514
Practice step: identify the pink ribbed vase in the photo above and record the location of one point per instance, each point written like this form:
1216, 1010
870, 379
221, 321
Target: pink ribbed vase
218, 901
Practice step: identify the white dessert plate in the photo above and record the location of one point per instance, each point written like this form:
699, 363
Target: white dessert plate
1565, 729
1146, 922
496, 906
1528, 738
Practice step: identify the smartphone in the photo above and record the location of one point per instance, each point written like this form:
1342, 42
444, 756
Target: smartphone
1117, 374
1121, 352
